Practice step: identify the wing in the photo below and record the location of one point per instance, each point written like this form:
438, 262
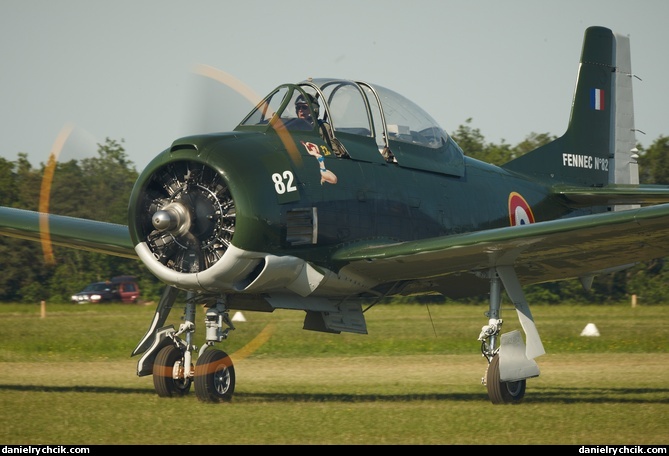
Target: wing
101, 237
575, 247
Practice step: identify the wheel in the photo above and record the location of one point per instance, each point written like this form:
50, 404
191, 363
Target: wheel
503, 392
169, 377
214, 377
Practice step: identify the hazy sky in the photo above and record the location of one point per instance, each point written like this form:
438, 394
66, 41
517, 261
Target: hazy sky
124, 69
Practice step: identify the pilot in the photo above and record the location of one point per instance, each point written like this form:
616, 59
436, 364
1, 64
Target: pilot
302, 108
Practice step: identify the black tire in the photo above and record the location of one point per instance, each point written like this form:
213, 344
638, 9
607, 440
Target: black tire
503, 392
168, 361
214, 377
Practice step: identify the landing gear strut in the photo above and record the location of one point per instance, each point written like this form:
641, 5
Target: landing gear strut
168, 354
510, 363
214, 371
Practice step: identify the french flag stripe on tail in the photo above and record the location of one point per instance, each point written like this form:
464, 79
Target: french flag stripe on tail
597, 99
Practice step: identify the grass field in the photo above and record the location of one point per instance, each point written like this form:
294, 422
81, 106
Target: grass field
67, 378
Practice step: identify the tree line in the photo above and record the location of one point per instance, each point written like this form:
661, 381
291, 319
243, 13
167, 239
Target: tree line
99, 188
96, 188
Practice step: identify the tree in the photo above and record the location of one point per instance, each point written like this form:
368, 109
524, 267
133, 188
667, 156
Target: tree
97, 188
109, 178
531, 142
470, 140
474, 145
654, 162
8, 185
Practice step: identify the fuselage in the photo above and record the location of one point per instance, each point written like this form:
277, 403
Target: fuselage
264, 208
284, 208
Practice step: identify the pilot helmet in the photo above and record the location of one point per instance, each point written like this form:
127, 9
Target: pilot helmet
310, 100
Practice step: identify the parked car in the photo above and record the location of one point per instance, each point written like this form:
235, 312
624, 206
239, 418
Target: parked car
119, 289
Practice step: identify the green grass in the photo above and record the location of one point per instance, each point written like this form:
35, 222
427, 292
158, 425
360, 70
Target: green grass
415, 378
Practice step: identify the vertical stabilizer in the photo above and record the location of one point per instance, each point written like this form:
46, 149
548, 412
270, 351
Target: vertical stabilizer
595, 149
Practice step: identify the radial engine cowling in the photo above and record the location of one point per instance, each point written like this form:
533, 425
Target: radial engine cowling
184, 222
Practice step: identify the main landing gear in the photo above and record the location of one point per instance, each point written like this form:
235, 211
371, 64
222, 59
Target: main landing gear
168, 353
510, 363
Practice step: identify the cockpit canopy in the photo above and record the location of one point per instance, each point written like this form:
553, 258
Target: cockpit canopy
352, 107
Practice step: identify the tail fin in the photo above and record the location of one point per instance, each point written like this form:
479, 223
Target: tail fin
599, 144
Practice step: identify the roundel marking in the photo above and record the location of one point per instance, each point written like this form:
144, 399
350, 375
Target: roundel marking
520, 213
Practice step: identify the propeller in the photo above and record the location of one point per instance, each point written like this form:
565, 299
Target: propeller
186, 212
194, 199
72, 141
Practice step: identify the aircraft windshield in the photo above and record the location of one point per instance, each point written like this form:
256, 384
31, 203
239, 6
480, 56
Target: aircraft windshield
356, 108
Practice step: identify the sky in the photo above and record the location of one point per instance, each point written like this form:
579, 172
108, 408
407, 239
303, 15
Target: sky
127, 70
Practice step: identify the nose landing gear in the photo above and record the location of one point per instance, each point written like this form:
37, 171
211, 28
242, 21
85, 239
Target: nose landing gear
169, 357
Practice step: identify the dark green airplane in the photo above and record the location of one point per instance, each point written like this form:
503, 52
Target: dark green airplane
332, 195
